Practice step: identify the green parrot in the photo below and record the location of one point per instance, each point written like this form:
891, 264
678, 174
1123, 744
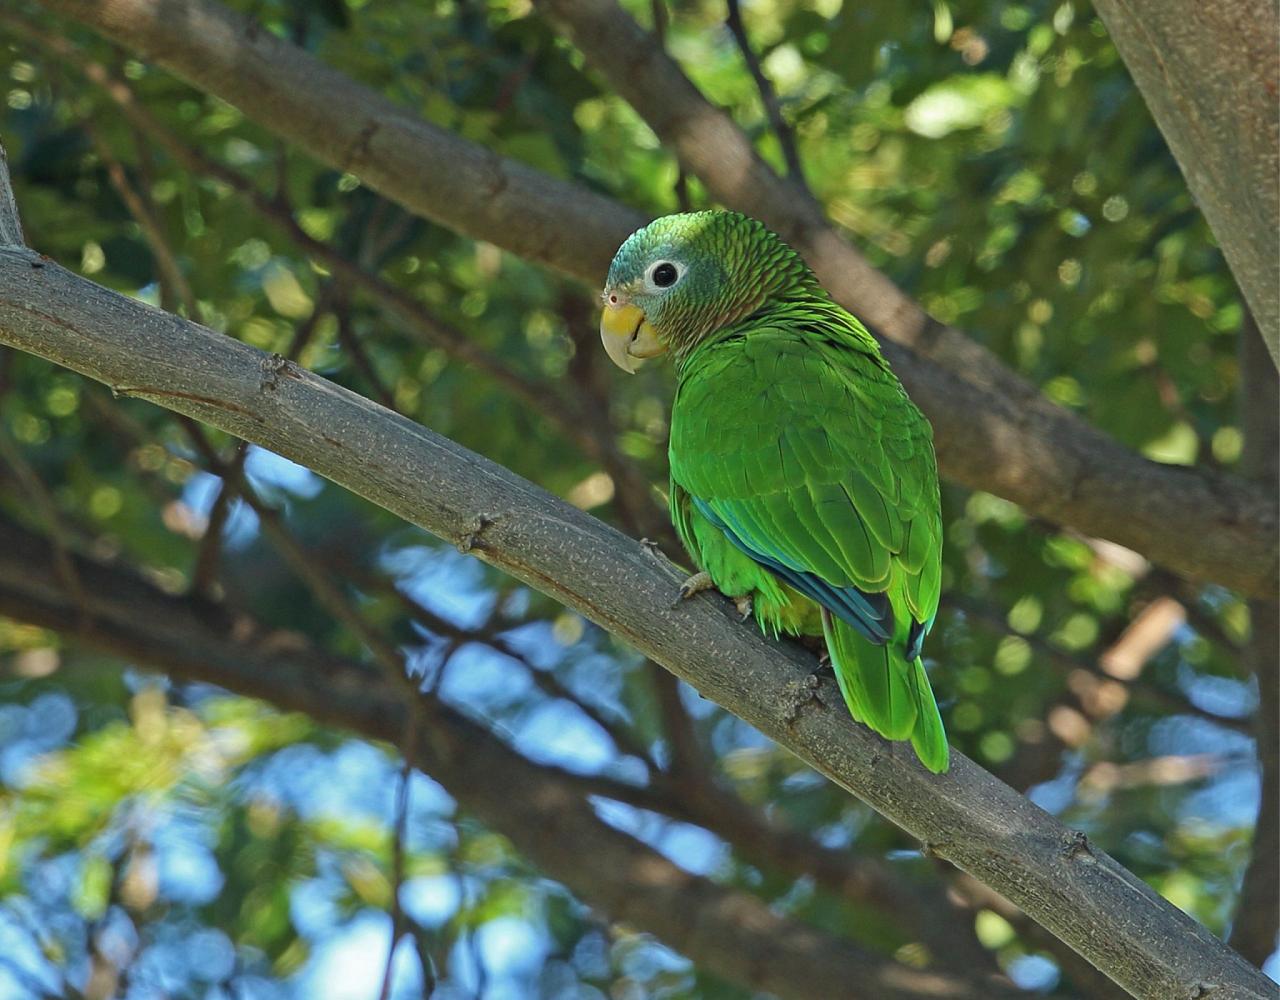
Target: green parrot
803, 479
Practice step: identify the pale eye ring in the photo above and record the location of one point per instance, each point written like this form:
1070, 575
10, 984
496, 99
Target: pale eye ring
663, 274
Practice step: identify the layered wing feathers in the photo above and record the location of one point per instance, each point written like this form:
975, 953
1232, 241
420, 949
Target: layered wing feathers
824, 469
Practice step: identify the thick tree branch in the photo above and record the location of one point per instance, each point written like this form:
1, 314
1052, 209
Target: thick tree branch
540, 810
993, 430
966, 816
407, 310
1257, 918
1209, 72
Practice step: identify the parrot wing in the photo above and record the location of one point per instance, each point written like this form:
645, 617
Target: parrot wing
807, 453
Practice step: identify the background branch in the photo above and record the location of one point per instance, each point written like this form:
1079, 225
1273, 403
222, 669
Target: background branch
768, 95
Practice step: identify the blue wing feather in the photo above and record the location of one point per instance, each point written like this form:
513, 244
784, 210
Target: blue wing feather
870, 614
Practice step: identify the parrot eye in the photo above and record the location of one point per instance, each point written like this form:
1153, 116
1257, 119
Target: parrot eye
664, 274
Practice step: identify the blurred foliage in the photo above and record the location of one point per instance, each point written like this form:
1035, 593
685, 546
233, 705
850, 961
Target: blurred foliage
995, 159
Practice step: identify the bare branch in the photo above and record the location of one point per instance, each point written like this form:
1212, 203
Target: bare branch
176, 289
1069, 665
768, 96
929, 914
658, 8
965, 816
761, 838
993, 430
41, 503
408, 741
417, 321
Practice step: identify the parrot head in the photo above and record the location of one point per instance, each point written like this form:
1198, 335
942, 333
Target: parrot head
683, 277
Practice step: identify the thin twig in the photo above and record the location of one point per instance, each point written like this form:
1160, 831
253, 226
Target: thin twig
417, 321
410, 740
45, 508
1065, 663
768, 95
175, 289
352, 345
209, 555
681, 186
487, 634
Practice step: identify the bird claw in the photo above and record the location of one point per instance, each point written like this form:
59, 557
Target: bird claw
652, 548
745, 606
696, 584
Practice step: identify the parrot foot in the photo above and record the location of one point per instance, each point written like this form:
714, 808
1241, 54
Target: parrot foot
653, 549
696, 584
797, 694
745, 606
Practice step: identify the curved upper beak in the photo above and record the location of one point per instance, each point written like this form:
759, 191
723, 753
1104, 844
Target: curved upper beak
627, 336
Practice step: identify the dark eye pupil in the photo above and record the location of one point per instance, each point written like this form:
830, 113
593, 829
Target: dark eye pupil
664, 275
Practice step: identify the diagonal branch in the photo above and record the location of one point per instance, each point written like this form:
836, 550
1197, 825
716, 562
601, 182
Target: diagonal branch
993, 430
407, 310
541, 810
768, 95
966, 816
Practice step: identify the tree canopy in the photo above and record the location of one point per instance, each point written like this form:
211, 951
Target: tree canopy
257, 728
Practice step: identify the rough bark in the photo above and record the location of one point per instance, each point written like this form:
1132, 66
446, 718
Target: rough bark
1210, 73
993, 431
966, 816
540, 810
1257, 916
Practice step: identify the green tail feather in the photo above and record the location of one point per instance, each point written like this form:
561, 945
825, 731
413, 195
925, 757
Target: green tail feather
928, 738
886, 692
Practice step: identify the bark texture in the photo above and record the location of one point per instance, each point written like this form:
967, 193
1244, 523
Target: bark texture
1257, 916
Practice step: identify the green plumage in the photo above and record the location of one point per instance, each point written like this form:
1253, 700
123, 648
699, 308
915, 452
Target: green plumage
797, 460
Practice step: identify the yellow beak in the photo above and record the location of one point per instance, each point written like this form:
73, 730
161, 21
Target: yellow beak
627, 336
